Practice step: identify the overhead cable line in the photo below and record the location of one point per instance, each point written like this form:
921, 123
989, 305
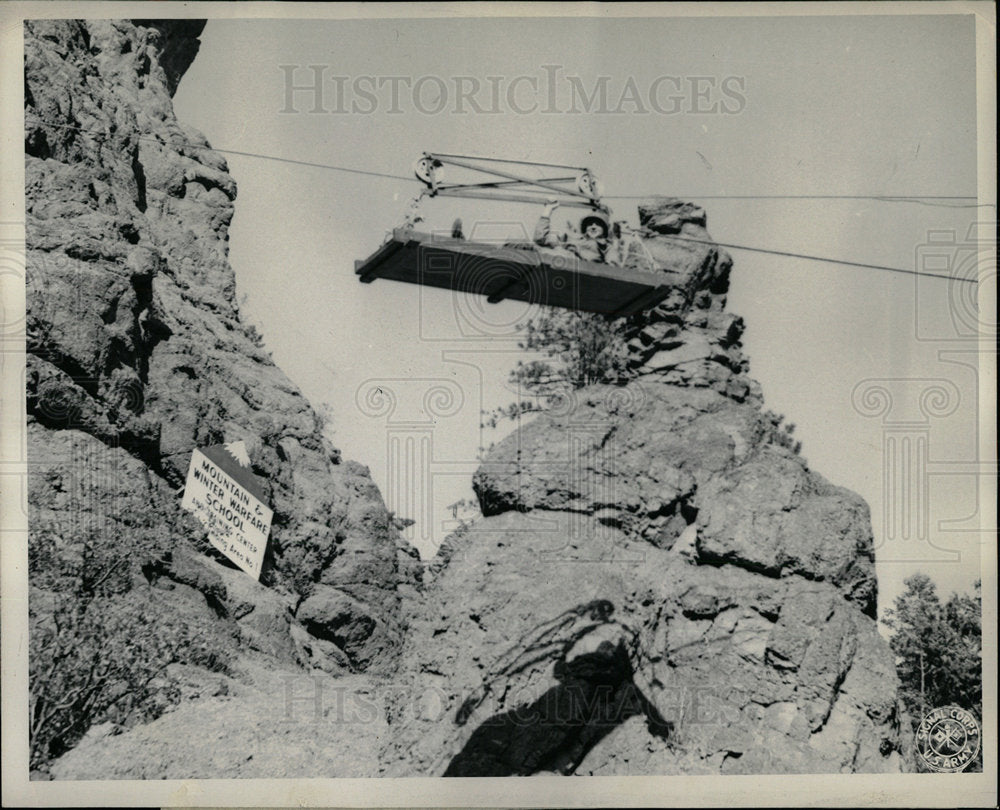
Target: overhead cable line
313, 165
173, 141
846, 262
921, 199
931, 200
731, 246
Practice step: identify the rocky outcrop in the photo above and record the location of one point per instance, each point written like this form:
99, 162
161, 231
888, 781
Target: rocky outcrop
137, 355
653, 459
690, 339
566, 646
659, 584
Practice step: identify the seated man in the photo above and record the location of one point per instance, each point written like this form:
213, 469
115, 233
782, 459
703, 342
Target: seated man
592, 243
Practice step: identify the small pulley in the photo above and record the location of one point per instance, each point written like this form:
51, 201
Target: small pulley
589, 185
429, 171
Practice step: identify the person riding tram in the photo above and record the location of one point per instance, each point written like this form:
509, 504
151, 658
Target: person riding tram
591, 244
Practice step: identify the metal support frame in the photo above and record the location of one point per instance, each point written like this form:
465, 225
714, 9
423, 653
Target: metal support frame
535, 190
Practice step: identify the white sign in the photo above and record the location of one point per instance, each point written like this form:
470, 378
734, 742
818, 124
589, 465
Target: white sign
226, 498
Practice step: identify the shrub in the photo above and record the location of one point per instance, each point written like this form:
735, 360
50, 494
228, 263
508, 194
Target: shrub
577, 349
89, 658
780, 433
97, 647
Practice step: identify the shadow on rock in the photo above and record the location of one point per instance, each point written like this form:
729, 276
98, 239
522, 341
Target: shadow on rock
595, 695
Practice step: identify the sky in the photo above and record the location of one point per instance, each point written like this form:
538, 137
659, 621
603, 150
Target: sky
696, 108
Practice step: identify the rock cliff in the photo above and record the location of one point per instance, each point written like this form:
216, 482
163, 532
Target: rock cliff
137, 354
659, 583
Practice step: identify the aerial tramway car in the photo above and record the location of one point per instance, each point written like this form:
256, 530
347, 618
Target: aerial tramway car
522, 271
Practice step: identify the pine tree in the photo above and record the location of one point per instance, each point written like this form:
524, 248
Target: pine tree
938, 648
583, 348
577, 349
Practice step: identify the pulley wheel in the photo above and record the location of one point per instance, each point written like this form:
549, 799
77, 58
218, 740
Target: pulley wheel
429, 171
587, 184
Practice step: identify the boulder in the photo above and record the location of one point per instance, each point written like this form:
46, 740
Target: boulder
551, 643
669, 214
334, 616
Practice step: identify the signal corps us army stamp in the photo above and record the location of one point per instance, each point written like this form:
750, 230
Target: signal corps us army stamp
948, 739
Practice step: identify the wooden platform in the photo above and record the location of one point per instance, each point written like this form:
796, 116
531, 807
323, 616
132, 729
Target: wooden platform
532, 274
